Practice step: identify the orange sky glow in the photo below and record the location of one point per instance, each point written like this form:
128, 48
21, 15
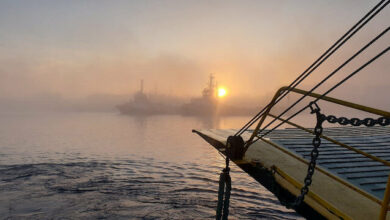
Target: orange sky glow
75, 49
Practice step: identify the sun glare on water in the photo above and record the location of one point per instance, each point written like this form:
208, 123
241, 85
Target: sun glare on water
221, 92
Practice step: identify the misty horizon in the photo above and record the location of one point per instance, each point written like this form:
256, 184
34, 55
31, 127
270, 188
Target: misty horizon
129, 109
100, 48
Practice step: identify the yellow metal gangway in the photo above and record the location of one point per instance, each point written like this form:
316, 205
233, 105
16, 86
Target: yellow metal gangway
385, 202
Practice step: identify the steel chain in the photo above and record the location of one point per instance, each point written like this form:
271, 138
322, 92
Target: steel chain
313, 155
369, 122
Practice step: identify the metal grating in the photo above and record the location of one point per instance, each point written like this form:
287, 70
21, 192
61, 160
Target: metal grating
363, 172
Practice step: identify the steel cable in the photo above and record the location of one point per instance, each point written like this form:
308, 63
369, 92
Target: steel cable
318, 62
327, 92
327, 77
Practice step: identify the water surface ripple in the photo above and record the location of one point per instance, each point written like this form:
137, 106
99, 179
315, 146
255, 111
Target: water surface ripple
89, 166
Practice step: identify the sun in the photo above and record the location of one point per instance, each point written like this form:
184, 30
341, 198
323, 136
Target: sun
221, 92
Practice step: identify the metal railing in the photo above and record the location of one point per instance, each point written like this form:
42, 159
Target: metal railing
386, 199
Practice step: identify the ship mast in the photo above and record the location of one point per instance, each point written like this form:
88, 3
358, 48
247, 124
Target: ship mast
211, 85
142, 86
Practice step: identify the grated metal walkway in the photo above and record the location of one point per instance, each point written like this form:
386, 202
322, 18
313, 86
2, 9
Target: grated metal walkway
365, 173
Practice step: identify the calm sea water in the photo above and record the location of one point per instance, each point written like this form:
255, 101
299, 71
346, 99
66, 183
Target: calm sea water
105, 165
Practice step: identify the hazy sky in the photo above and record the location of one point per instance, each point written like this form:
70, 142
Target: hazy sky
78, 48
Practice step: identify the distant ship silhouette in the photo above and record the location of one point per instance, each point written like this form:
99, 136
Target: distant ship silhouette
141, 105
205, 105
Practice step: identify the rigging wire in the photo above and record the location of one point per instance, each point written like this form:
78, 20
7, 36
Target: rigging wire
290, 88
318, 62
255, 118
327, 92
327, 77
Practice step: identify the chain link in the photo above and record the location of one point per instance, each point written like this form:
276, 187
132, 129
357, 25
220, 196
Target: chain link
313, 155
369, 122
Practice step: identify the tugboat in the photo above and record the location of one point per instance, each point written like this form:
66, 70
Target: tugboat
209, 105
206, 105
141, 105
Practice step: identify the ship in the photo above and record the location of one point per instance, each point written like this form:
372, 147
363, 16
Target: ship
140, 104
206, 105
210, 106
338, 168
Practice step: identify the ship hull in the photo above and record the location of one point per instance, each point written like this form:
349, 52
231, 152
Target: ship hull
349, 189
148, 109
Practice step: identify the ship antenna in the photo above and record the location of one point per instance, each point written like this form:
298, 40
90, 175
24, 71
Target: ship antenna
142, 86
211, 81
